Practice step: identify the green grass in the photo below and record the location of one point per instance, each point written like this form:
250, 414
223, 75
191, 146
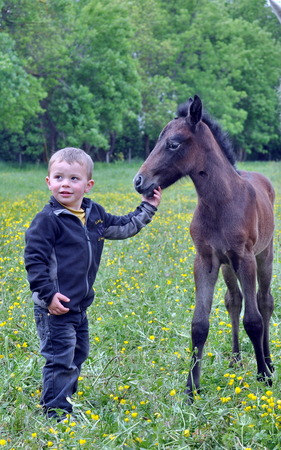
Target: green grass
131, 392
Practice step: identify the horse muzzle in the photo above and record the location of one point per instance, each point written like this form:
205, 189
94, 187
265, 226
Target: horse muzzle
143, 186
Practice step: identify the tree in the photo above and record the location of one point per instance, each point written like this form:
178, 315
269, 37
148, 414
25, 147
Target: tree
20, 93
153, 49
104, 62
72, 109
36, 29
234, 65
88, 72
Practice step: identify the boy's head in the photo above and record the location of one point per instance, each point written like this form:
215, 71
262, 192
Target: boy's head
69, 176
72, 155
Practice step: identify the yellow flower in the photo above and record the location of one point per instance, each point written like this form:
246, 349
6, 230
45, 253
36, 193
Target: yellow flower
269, 393
238, 390
3, 442
82, 441
95, 416
186, 433
134, 414
225, 399
173, 392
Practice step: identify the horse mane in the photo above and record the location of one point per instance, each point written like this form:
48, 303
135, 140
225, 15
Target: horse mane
219, 134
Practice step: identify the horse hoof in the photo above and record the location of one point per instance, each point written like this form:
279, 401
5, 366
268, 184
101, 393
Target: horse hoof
265, 378
235, 362
189, 396
271, 367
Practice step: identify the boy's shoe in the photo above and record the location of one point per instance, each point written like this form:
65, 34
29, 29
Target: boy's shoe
57, 414
67, 419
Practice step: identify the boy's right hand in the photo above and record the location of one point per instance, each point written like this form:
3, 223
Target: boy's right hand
55, 307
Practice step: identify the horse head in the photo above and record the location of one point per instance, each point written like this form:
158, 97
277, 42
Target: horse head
171, 158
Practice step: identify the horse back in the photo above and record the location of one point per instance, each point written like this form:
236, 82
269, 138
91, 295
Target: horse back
261, 184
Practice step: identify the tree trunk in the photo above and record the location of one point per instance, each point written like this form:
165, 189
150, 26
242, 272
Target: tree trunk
110, 152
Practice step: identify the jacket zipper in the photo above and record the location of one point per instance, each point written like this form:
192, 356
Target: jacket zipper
89, 260
87, 213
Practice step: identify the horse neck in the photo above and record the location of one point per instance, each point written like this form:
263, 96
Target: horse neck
215, 179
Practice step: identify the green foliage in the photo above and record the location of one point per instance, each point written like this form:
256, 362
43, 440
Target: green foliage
72, 108
234, 65
84, 71
20, 93
106, 64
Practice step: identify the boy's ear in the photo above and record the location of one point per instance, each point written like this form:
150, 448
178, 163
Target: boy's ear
89, 186
48, 182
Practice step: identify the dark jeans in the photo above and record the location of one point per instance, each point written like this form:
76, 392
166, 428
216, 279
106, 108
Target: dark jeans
64, 343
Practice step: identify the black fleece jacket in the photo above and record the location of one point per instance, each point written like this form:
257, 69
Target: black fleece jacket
63, 255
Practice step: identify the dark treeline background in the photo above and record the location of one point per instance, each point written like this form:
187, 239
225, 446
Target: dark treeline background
107, 75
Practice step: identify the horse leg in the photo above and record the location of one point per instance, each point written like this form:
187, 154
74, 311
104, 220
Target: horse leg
205, 274
253, 321
233, 302
264, 297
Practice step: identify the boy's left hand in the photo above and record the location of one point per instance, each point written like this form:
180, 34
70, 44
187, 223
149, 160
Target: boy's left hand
156, 199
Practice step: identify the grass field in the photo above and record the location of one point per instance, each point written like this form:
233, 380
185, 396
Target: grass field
130, 393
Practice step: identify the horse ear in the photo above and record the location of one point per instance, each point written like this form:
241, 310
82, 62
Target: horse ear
195, 111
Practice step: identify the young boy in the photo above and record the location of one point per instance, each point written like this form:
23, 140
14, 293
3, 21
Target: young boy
62, 255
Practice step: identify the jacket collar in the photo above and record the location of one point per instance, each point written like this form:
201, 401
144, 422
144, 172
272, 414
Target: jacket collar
86, 203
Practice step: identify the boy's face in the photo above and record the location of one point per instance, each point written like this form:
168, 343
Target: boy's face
69, 183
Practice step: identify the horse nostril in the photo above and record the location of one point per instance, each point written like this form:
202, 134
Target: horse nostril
138, 181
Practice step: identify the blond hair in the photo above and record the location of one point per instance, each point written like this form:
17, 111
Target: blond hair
71, 155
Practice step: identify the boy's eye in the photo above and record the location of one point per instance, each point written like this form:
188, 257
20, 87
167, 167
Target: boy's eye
74, 178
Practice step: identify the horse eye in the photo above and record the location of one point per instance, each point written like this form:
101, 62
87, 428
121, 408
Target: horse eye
173, 145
